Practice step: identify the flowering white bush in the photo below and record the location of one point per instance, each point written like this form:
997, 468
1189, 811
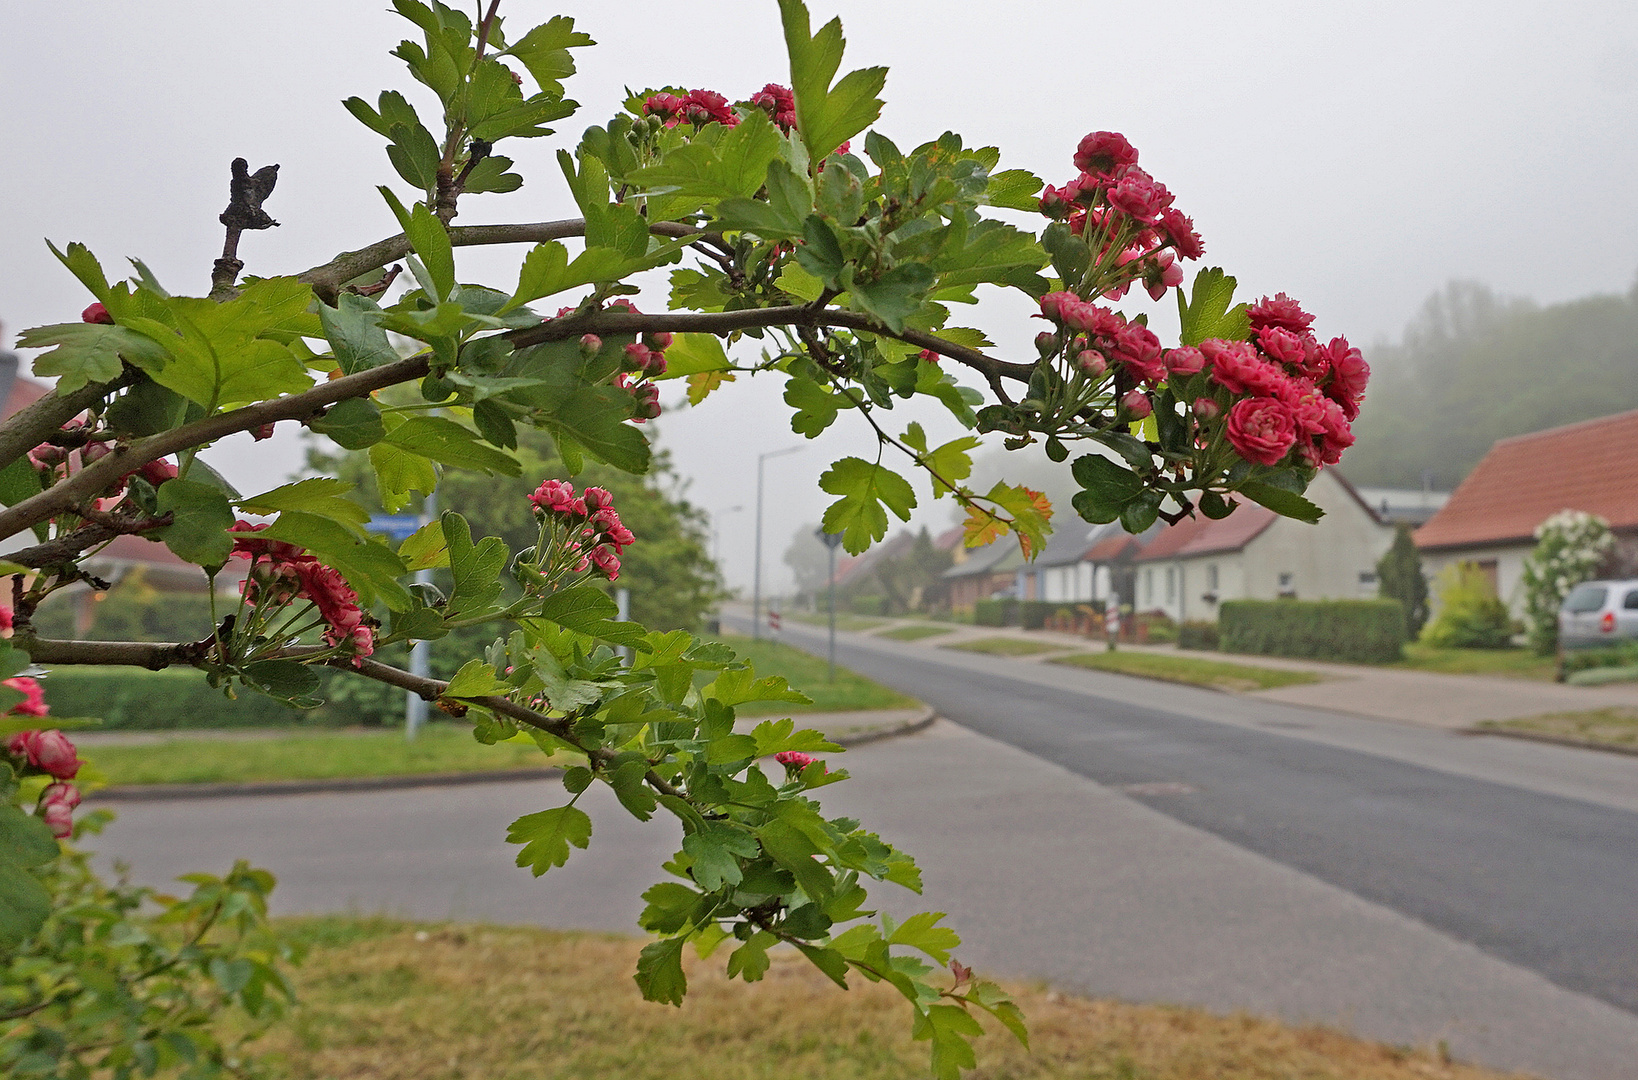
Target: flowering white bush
1570, 545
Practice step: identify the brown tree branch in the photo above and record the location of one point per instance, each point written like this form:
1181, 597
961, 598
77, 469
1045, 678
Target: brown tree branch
43, 419
99, 529
328, 279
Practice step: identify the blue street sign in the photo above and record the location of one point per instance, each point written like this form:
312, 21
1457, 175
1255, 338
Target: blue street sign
397, 526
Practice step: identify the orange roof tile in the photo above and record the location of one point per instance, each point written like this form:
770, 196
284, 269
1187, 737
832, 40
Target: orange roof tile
1590, 466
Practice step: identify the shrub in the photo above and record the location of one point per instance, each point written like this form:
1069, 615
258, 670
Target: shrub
1197, 635
1033, 614
1617, 656
1361, 631
1156, 627
1399, 577
868, 605
1470, 614
1570, 545
992, 612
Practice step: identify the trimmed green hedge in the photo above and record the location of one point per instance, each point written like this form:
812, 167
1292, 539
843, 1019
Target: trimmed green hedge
1009, 611
1361, 631
138, 700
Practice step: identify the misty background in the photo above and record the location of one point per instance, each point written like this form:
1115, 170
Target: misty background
1447, 184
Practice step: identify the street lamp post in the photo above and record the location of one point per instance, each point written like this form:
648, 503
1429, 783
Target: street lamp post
756, 572
831, 540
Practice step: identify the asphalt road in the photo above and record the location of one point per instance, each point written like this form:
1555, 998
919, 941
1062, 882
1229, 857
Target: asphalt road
1540, 880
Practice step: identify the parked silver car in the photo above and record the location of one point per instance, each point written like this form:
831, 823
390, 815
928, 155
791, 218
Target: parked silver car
1598, 614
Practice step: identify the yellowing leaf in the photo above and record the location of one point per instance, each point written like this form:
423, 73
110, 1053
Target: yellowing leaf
702, 383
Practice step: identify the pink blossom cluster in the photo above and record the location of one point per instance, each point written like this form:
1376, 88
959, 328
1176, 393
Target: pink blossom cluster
697, 107
794, 760
1101, 335
1126, 215
643, 362
282, 572
587, 528
779, 103
49, 752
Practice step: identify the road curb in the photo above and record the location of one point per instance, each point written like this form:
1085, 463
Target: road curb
162, 792
1556, 740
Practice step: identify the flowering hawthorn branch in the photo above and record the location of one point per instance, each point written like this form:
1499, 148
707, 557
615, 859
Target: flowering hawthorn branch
121, 460
36, 424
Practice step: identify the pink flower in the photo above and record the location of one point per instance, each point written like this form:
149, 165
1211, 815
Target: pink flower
33, 703
1283, 346
665, 106
658, 340
590, 345
1237, 367
96, 313
794, 760
778, 103
1206, 409
245, 544
1349, 374
1261, 429
158, 471
647, 406
1338, 435
257, 434
1055, 203
5, 618
607, 563
48, 751
1054, 304
1185, 361
1162, 273
637, 356
1137, 193
57, 803
598, 499
1137, 404
1179, 228
1092, 363
706, 106
554, 496
1137, 347
1103, 152
1280, 311
47, 457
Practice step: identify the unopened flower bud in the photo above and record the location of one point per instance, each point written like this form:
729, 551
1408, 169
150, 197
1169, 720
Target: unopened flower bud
1046, 343
96, 313
659, 340
1137, 404
1092, 362
590, 345
1207, 409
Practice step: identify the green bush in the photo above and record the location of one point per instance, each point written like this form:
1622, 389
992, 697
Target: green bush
1470, 614
993, 612
1156, 627
1361, 631
1033, 614
1197, 635
134, 699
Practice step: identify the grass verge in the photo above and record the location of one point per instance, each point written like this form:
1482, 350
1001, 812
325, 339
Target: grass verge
1509, 663
1005, 646
393, 1001
333, 755
1594, 727
1215, 674
807, 673
915, 632
845, 620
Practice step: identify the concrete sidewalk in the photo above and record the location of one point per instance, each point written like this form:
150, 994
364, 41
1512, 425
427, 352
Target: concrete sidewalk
1450, 702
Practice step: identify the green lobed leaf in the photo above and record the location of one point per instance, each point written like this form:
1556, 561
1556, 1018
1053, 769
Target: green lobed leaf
716, 850
476, 568
1206, 314
1014, 189
353, 424
449, 443
921, 931
353, 328
320, 495
399, 472
865, 489
1106, 488
429, 239
544, 50
425, 549
546, 837
659, 971
827, 116
89, 352
369, 566
202, 517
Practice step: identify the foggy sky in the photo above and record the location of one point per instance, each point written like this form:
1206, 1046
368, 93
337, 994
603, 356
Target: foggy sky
1355, 156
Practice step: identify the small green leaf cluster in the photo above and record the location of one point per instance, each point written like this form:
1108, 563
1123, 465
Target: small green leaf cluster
122, 981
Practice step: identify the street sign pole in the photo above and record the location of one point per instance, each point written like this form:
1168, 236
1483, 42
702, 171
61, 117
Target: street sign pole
830, 540
415, 706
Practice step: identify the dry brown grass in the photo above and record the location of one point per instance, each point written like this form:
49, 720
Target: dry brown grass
439, 1003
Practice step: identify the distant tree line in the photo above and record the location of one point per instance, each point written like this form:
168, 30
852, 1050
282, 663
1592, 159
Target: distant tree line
1474, 367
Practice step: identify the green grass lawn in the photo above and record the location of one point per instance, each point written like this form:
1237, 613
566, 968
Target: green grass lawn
397, 1001
1006, 646
807, 673
1216, 674
440, 748
1512, 663
1595, 727
916, 632
845, 620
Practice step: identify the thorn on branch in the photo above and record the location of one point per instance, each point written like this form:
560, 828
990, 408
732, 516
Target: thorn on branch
376, 288
246, 193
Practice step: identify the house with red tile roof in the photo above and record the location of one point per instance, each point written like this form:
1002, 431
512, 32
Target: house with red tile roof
1491, 518
1188, 569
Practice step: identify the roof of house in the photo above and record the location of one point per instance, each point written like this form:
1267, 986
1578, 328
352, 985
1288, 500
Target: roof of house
1591, 466
16, 392
1202, 536
984, 560
854, 568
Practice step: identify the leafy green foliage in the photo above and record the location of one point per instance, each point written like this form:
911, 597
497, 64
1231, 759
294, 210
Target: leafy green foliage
546, 837
867, 492
827, 115
1399, 577
1207, 313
